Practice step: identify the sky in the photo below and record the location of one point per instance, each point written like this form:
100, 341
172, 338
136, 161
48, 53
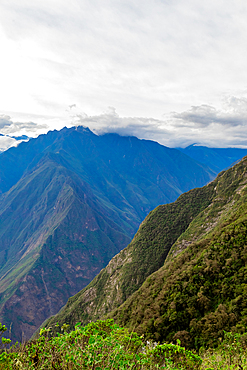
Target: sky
170, 71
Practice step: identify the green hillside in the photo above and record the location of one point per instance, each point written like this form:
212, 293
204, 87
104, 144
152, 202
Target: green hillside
127, 271
201, 289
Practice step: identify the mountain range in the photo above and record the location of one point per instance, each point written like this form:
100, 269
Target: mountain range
218, 159
70, 201
183, 276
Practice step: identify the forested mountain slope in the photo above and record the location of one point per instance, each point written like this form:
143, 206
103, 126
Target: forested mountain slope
201, 289
147, 252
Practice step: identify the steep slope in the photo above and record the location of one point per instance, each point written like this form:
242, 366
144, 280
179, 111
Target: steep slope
63, 238
70, 201
200, 290
127, 271
217, 159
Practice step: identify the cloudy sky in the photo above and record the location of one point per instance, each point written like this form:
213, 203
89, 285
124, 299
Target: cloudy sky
172, 71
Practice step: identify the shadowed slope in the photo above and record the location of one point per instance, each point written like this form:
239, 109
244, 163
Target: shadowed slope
61, 241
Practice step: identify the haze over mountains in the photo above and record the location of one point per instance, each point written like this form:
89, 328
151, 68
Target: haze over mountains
70, 201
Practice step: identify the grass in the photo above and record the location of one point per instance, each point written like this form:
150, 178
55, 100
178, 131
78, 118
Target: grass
106, 346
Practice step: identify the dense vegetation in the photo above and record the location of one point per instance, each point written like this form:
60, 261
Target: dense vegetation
100, 345
198, 296
201, 291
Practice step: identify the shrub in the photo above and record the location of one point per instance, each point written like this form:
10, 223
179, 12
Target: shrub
98, 346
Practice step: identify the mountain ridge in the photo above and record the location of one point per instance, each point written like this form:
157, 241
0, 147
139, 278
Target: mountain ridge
128, 270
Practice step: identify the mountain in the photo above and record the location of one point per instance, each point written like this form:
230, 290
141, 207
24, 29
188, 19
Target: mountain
71, 200
128, 270
199, 291
62, 239
217, 159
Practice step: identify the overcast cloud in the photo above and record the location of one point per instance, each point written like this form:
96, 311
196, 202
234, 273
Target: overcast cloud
8, 127
61, 58
204, 125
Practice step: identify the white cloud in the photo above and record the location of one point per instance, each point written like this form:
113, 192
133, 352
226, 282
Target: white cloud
110, 121
5, 121
203, 124
7, 142
9, 127
233, 114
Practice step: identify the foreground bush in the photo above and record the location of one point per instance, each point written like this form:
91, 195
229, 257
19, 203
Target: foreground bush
100, 346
